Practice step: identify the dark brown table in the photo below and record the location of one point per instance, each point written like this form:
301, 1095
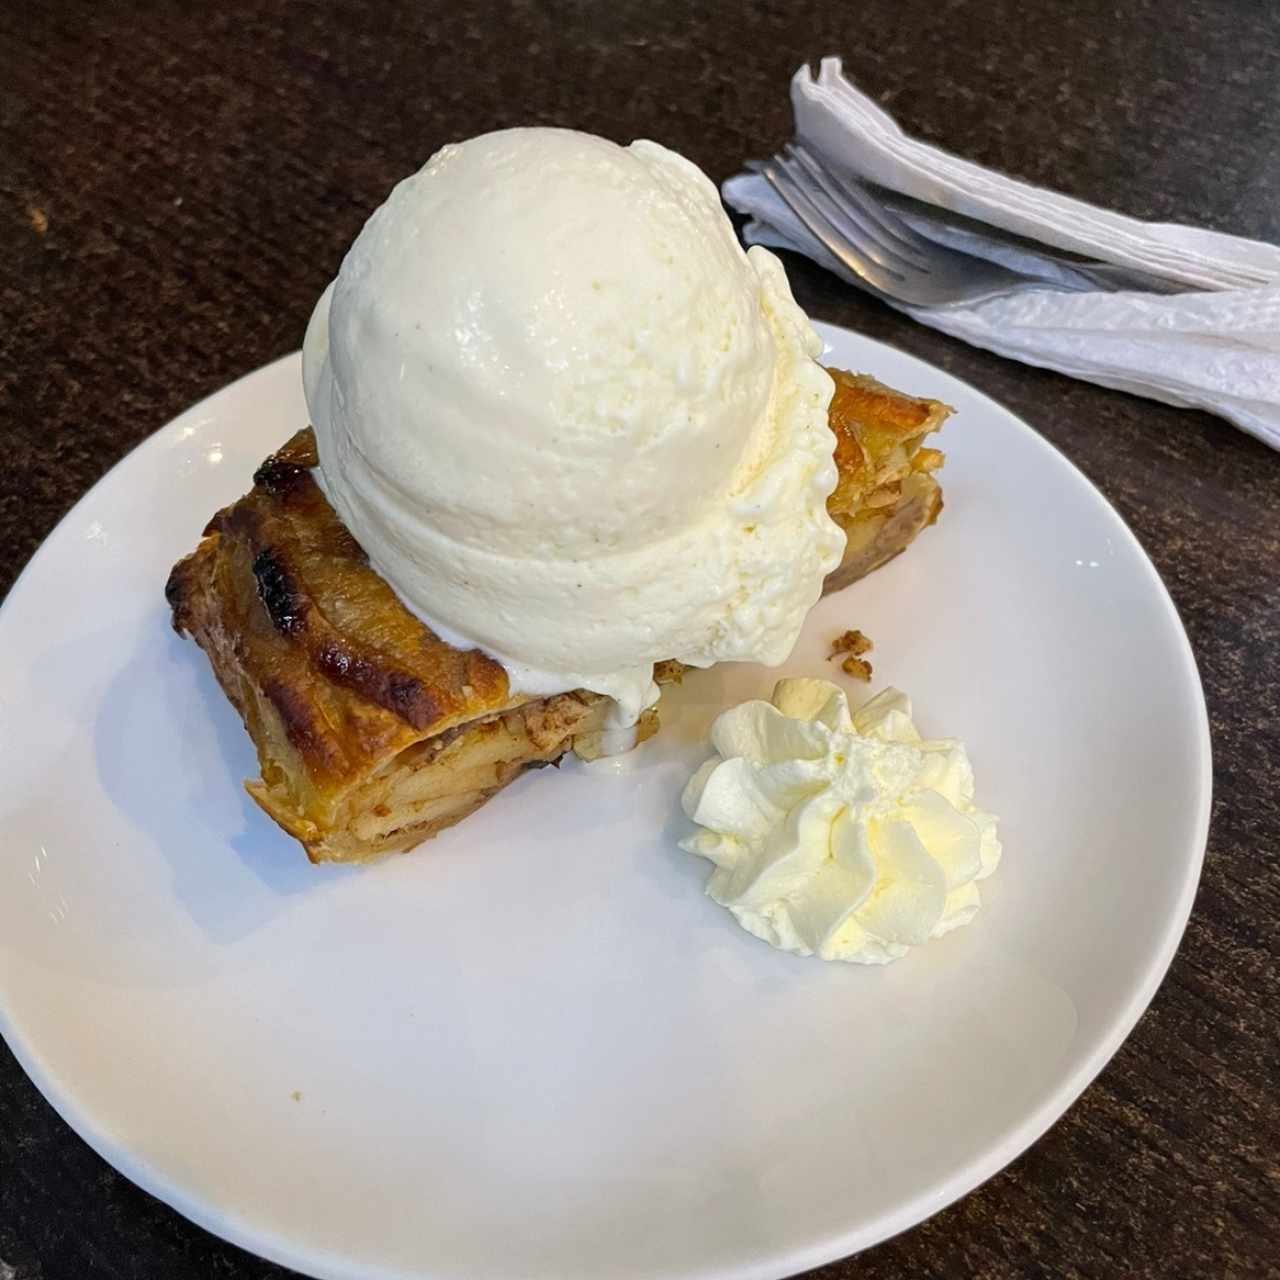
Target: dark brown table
177, 184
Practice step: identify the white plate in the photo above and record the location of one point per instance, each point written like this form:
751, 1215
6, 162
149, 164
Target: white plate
534, 1047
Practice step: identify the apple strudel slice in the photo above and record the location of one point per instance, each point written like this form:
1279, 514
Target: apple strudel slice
372, 733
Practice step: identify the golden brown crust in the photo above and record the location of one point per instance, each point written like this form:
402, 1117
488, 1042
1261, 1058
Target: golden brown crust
373, 733
878, 434
886, 492
349, 670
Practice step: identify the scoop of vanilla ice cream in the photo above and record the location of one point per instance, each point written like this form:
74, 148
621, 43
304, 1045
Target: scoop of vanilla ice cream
570, 421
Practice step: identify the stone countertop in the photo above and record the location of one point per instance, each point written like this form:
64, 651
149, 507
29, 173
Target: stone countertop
177, 184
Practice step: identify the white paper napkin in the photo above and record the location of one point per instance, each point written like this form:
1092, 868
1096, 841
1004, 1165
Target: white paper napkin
1216, 349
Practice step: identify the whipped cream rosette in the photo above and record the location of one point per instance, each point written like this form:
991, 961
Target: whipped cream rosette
838, 834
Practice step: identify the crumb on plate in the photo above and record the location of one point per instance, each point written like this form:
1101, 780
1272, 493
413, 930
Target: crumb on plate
852, 644
858, 668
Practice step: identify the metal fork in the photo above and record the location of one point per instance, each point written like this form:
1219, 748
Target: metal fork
876, 250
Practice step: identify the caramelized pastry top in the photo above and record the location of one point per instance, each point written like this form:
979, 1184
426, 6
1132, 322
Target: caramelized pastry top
307, 626
351, 672
878, 433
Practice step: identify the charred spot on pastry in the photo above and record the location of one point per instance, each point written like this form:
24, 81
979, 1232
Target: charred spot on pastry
406, 697
285, 604
176, 586
177, 591
335, 662
288, 470
395, 691
279, 476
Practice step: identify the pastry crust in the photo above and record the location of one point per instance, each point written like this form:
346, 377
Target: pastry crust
372, 733
887, 491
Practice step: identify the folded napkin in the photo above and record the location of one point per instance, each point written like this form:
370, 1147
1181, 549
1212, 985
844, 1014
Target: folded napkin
1217, 348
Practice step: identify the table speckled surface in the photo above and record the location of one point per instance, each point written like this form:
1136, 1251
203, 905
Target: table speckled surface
178, 183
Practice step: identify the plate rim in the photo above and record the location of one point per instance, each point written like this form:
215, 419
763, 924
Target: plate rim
926, 1202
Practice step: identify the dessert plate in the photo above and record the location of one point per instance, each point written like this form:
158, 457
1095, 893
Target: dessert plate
533, 1047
